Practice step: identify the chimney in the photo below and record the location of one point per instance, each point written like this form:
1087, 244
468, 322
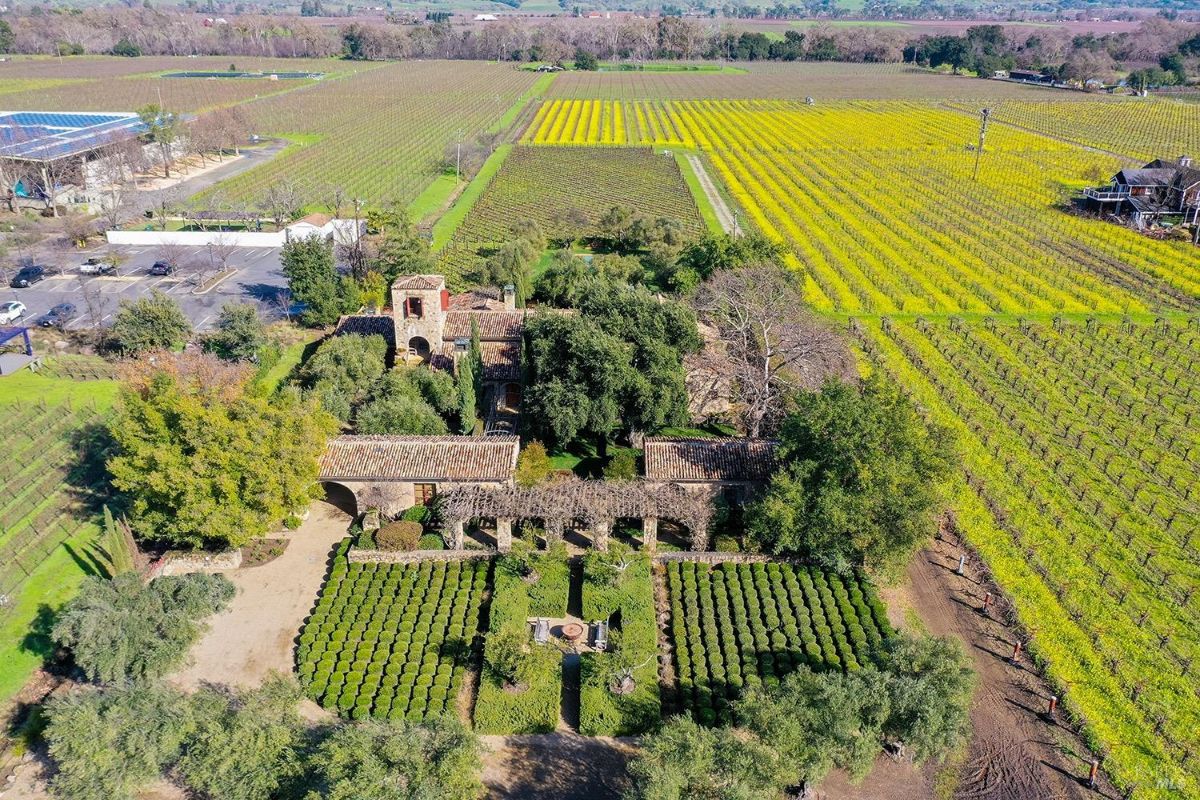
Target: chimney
510, 297
1185, 161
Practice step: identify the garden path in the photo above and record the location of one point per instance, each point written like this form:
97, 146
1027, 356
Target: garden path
255, 635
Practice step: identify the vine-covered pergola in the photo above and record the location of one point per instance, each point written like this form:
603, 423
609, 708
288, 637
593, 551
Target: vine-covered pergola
596, 503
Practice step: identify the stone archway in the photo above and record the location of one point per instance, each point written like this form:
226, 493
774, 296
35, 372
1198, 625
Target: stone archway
341, 496
418, 348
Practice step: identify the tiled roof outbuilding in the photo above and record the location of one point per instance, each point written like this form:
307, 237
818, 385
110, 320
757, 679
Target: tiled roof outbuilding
709, 460
416, 458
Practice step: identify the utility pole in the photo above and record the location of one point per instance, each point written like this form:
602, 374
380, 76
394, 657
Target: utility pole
457, 162
984, 115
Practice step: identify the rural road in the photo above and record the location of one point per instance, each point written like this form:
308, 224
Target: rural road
728, 221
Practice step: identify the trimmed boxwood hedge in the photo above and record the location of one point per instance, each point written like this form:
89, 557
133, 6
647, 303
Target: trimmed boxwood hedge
374, 626
737, 626
514, 599
630, 606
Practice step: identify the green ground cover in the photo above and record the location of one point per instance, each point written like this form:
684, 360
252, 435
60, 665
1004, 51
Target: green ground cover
516, 596
625, 597
737, 626
392, 640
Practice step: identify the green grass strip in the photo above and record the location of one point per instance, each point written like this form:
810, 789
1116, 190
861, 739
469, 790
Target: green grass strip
448, 224
707, 212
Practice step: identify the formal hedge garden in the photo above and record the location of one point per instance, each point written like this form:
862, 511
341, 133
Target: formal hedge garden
525, 585
737, 626
392, 640
619, 692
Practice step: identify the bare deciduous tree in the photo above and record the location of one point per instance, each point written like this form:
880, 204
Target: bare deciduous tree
773, 343
220, 250
172, 254
282, 201
95, 304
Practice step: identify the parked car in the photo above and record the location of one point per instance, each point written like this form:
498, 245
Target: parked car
11, 311
95, 265
28, 276
161, 268
58, 316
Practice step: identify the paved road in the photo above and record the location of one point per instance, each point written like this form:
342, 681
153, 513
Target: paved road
258, 279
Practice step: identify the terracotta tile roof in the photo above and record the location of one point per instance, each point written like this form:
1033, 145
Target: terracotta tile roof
316, 219
501, 360
731, 459
493, 325
419, 282
475, 300
368, 325
433, 458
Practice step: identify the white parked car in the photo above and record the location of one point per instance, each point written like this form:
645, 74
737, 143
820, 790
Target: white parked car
95, 266
11, 311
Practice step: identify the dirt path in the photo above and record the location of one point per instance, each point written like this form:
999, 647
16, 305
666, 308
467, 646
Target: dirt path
255, 635
557, 766
1014, 753
728, 221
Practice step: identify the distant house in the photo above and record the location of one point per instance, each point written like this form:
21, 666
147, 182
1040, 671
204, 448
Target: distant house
486, 18
1029, 76
1161, 188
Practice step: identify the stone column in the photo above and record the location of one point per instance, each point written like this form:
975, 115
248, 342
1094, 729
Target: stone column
600, 533
650, 534
700, 538
456, 535
503, 534
554, 531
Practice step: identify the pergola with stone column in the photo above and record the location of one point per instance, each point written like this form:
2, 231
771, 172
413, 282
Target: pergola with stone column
597, 503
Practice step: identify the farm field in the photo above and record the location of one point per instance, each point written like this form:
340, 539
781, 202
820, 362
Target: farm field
390, 640
535, 183
391, 146
822, 81
1000, 311
1141, 128
46, 526
1002, 244
1081, 454
101, 67
735, 626
80, 89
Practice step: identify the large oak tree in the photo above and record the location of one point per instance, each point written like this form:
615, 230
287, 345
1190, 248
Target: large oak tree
201, 462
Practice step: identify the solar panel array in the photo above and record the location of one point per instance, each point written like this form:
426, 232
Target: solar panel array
50, 135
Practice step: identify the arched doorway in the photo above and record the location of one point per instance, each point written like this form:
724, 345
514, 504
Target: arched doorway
342, 497
418, 348
511, 398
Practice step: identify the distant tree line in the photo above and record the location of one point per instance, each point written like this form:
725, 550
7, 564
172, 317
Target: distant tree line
161, 31
1164, 52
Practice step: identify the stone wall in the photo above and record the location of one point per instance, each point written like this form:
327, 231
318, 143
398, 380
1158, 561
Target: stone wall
185, 563
710, 557
360, 556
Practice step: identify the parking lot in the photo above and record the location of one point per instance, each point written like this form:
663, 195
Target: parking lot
257, 279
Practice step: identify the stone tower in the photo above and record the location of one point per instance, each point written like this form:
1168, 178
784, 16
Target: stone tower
419, 305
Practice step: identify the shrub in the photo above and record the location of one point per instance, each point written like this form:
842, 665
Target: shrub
123, 629
399, 536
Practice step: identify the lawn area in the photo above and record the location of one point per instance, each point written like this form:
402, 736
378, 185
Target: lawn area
55, 578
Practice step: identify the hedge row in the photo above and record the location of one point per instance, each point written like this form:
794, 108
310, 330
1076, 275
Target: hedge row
516, 598
392, 640
737, 626
630, 608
